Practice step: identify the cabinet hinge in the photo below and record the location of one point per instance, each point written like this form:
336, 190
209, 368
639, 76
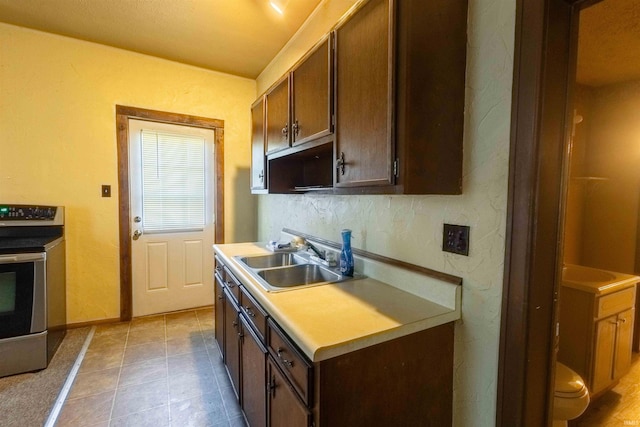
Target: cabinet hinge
395, 168
333, 120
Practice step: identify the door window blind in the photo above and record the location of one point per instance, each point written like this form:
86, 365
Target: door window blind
173, 182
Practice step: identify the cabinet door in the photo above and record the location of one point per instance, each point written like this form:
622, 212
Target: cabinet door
311, 87
364, 92
258, 176
604, 352
285, 409
277, 104
254, 376
232, 343
623, 345
219, 310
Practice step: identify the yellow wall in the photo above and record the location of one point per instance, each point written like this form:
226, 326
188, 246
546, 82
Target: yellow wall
58, 143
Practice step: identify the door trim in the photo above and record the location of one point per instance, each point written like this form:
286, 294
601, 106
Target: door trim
123, 114
544, 74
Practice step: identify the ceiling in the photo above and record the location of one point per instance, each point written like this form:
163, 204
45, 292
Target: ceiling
233, 36
609, 43
242, 36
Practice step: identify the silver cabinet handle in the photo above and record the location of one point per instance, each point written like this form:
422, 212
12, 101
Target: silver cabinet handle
286, 362
340, 163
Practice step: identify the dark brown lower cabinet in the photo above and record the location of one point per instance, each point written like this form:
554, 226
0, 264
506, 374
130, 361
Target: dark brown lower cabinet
232, 341
406, 381
284, 407
254, 375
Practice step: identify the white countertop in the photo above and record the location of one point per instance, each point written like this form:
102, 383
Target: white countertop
333, 319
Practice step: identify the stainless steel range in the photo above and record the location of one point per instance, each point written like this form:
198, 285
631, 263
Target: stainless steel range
32, 286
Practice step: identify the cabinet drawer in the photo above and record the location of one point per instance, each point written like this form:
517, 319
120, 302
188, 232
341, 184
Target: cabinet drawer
255, 314
292, 362
615, 302
232, 283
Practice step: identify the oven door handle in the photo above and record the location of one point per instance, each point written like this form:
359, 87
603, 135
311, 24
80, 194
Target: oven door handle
10, 259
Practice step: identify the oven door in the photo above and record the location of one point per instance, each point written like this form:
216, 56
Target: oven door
22, 294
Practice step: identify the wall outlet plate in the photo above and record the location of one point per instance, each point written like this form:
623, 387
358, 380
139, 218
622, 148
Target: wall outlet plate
455, 239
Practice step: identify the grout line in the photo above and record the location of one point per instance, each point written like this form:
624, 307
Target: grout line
166, 362
57, 406
115, 393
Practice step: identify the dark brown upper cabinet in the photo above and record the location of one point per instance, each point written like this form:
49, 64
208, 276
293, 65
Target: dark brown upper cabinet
430, 65
375, 107
311, 90
277, 116
364, 143
400, 75
258, 159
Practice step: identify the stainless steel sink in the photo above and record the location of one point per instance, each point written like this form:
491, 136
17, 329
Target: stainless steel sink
278, 272
273, 260
298, 275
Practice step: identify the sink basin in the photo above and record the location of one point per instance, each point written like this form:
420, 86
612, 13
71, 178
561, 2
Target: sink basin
298, 275
284, 271
273, 260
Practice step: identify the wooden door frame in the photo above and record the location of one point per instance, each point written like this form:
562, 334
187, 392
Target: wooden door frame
123, 114
544, 74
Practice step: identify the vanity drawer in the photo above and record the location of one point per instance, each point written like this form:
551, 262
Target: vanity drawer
232, 283
255, 314
291, 361
616, 302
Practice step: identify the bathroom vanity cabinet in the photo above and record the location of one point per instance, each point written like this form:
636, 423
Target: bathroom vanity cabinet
407, 380
596, 333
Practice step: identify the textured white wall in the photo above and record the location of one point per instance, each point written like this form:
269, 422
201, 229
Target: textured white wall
409, 228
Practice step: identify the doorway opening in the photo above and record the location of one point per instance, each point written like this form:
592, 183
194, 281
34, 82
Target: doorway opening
600, 234
123, 115
542, 121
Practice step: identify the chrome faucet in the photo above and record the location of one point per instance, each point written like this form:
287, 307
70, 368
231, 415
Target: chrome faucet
320, 253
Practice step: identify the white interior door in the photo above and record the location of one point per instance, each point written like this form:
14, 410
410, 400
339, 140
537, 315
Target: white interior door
171, 181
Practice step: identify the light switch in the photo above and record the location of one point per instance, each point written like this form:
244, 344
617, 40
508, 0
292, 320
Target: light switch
106, 191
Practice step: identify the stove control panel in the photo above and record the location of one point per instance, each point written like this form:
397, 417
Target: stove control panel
27, 212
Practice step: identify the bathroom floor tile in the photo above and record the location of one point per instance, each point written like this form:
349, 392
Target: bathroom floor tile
618, 407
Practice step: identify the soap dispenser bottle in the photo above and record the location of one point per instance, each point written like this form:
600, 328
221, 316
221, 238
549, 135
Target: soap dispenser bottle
346, 256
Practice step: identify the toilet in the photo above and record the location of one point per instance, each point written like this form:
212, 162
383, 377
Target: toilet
571, 396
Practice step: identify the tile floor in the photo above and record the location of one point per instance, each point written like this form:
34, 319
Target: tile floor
162, 370
620, 406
